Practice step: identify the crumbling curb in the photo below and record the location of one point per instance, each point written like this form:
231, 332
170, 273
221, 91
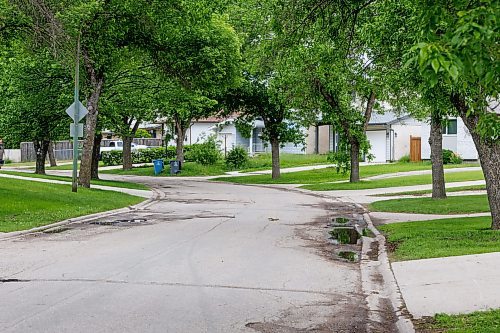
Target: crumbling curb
155, 195
379, 284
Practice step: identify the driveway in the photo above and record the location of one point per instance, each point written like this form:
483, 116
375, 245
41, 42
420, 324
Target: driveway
204, 257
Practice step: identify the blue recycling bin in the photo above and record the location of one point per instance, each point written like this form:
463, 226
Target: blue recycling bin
158, 166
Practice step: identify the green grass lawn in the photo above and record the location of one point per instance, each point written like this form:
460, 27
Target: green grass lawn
189, 169
396, 181
68, 166
26, 204
264, 162
464, 204
113, 183
259, 162
441, 238
331, 175
422, 192
477, 322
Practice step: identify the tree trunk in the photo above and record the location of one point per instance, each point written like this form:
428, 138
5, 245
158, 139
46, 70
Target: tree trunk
436, 143
354, 178
52, 157
489, 156
275, 156
127, 152
96, 154
180, 132
88, 143
41, 149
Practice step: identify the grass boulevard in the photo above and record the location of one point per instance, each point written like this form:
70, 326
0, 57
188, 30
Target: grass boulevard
27, 204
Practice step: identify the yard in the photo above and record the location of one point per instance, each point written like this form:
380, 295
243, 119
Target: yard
481, 321
113, 183
441, 238
396, 181
26, 204
465, 204
256, 163
328, 175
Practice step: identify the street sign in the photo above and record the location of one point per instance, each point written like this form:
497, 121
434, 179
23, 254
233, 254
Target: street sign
72, 130
72, 110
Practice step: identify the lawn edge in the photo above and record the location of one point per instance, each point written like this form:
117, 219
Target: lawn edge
155, 195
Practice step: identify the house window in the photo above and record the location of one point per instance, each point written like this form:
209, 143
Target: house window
450, 128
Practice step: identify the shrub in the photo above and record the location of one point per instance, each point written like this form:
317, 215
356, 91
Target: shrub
450, 157
405, 159
206, 153
112, 157
170, 152
115, 157
148, 155
237, 158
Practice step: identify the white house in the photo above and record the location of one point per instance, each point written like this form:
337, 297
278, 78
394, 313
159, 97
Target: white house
456, 137
230, 137
388, 134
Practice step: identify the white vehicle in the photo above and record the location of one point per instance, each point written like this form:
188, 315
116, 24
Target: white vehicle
118, 145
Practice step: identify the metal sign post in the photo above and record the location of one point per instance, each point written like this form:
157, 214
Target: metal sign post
76, 119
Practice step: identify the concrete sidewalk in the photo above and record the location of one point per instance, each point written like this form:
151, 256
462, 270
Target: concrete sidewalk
450, 285
139, 193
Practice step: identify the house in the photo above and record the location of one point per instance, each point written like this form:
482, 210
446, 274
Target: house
230, 137
456, 137
389, 136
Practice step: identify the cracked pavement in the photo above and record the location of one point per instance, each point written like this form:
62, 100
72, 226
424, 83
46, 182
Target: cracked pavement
205, 257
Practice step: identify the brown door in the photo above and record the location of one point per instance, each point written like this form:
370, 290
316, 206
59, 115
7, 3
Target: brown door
415, 149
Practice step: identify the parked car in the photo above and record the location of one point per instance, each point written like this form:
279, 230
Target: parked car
118, 145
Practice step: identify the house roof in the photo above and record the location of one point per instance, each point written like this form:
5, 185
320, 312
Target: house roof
210, 120
385, 118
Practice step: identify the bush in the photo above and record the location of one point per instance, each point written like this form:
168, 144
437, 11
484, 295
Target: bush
206, 153
450, 157
171, 152
405, 159
237, 158
112, 157
115, 157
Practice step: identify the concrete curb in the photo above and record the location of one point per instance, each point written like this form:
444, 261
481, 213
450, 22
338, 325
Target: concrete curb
379, 283
156, 195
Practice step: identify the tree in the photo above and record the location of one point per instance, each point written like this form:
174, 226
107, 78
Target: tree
104, 27
459, 46
197, 62
130, 99
33, 89
259, 99
343, 69
182, 106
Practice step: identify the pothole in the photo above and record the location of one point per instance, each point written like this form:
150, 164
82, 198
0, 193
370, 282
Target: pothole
344, 235
340, 220
123, 222
55, 230
349, 255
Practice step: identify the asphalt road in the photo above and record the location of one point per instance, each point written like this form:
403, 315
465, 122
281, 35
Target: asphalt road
206, 257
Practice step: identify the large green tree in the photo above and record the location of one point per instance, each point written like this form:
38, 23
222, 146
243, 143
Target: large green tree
34, 90
459, 47
341, 67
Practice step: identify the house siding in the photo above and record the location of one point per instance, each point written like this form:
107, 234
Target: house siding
461, 143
